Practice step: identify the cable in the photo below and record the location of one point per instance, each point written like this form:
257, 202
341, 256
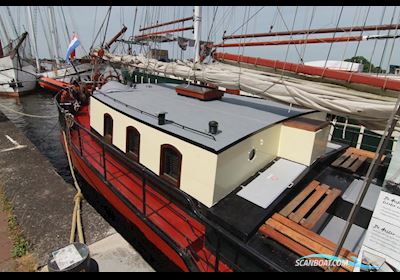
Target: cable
249, 18
101, 27
386, 41
376, 41
330, 47
105, 31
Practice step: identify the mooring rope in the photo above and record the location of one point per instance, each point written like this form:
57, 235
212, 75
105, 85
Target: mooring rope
28, 115
76, 215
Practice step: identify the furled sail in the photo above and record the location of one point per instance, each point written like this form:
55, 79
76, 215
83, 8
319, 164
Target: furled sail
372, 110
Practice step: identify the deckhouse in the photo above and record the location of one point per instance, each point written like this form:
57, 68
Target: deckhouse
203, 142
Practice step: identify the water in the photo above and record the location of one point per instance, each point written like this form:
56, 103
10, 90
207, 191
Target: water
43, 133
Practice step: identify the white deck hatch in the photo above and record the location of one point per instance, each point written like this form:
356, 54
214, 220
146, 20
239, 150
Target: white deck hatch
264, 189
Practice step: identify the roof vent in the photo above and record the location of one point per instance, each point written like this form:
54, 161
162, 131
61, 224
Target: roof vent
213, 127
201, 93
161, 118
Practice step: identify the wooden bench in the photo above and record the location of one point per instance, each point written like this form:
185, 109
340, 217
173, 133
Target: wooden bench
353, 159
302, 241
309, 205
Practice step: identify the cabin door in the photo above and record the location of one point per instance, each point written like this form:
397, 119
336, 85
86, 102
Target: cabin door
108, 129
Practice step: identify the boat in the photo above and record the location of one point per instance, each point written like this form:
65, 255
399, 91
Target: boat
218, 181
226, 189
17, 74
68, 73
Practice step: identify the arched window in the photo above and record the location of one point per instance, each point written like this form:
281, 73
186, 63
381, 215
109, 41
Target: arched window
132, 143
170, 164
108, 128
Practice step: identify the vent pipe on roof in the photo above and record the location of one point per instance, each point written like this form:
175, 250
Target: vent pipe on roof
213, 127
161, 118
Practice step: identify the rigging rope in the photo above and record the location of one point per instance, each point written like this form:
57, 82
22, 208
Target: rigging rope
45, 35
379, 32
66, 25
391, 53
334, 35
348, 41
306, 38
386, 41
290, 38
101, 27
287, 28
358, 44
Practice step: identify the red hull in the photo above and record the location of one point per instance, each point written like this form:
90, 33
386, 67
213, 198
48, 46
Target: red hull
101, 188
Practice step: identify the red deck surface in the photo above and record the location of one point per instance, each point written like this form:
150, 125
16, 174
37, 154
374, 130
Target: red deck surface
169, 218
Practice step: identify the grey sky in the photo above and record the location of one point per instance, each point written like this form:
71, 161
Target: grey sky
87, 20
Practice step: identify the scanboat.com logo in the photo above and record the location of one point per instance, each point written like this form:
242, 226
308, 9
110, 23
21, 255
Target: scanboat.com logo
332, 261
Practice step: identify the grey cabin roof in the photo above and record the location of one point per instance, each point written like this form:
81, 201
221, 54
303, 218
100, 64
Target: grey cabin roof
238, 116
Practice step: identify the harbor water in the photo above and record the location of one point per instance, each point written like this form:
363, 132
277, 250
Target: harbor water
44, 133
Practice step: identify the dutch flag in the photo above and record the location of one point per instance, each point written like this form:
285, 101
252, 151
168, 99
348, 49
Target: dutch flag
71, 48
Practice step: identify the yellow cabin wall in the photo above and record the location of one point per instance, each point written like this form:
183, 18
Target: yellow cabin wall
198, 165
234, 166
303, 146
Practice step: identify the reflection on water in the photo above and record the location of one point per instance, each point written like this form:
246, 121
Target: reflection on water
43, 133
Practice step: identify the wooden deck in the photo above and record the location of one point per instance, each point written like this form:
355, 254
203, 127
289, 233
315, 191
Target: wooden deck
353, 159
292, 226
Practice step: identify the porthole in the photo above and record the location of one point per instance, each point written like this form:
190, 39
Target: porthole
252, 154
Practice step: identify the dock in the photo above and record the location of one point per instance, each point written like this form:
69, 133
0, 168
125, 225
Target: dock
42, 203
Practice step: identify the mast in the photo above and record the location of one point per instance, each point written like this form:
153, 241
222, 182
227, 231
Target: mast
115, 38
14, 51
32, 37
53, 35
197, 33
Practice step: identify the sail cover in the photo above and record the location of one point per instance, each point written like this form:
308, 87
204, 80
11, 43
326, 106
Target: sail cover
372, 110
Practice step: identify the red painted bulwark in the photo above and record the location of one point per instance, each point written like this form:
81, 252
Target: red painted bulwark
357, 78
103, 189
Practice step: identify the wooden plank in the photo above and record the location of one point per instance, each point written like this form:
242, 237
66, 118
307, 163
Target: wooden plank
349, 161
312, 235
341, 159
303, 240
364, 153
286, 241
299, 198
310, 202
306, 124
292, 245
358, 164
316, 215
